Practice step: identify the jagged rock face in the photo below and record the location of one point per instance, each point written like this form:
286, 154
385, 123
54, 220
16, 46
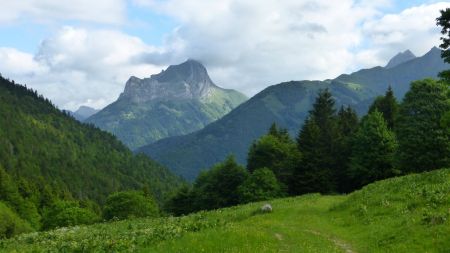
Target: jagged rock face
177, 101
400, 58
189, 80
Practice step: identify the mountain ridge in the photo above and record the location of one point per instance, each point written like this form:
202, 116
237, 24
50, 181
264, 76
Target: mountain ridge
400, 58
177, 101
83, 112
287, 104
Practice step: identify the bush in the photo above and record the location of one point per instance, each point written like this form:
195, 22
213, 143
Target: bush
67, 213
261, 185
129, 204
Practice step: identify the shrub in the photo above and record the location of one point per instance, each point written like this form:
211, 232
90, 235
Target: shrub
128, 204
67, 213
261, 185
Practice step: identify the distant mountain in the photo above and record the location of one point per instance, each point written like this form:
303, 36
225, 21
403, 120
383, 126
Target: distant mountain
400, 58
84, 112
287, 104
177, 101
42, 145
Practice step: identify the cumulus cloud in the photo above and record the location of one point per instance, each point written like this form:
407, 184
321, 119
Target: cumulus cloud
246, 45
78, 66
414, 28
101, 11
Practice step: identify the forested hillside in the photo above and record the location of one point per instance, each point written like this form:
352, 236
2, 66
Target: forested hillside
286, 104
46, 155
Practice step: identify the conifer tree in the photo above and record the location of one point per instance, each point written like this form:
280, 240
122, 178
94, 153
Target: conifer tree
388, 106
317, 142
347, 124
373, 151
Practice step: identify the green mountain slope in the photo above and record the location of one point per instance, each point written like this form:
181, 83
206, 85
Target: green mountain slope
287, 104
179, 100
42, 145
404, 214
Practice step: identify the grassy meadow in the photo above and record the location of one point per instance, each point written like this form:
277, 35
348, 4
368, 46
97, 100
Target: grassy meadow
403, 214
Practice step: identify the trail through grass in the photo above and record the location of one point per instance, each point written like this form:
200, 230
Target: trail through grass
405, 214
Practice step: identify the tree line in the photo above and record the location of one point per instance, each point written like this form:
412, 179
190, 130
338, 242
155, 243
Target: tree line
334, 151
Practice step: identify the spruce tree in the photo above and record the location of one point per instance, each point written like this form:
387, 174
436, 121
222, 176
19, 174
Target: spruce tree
347, 125
388, 106
424, 141
317, 142
373, 151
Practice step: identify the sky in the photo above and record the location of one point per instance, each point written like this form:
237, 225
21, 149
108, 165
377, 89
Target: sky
81, 52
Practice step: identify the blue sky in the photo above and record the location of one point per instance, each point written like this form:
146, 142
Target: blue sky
81, 52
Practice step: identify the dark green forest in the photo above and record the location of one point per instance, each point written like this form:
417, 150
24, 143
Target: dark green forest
56, 171
334, 152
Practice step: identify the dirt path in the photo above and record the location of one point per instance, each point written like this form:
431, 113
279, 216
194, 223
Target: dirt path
341, 244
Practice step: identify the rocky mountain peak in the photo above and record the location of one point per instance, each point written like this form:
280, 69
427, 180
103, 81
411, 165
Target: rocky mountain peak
188, 80
400, 58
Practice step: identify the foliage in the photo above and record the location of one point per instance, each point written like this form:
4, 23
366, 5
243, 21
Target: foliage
347, 124
11, 224
287, 104
423, 143
24, 207
129, 204
214, 188
373, 151
218, 187
262, 184
403, 214
181, 203
47, 156
316, 142
444, 22
67, 213
275, 151
388, 106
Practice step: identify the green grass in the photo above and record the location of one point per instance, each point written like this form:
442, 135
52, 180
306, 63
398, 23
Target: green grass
405, 214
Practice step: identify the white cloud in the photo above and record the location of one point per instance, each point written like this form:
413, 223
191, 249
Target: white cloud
414, 28
79, 66
101, 11
246, 45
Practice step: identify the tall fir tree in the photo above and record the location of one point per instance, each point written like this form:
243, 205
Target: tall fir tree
347, 125
424, 141
317, 142
373, 152
388, 106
